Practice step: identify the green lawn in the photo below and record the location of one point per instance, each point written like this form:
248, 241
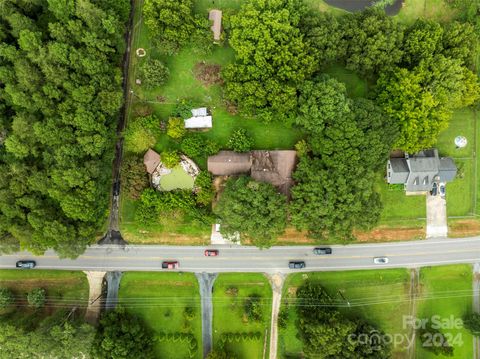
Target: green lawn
228, 313
356, 87
431, 9
160, 299
183, 84
397, 206
461, 193
64, 290
448, 292
172, 228
380, 297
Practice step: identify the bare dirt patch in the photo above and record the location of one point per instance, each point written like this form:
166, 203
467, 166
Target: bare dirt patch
464, 228
142, 236
386, 234
208, 74
292, 236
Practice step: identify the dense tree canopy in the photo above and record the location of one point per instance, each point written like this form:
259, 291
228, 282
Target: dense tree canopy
325, 36
264, 207
171, 22
326, 333
60, 92
374, 41
421, 100
271, 58
121, 335
349, 141
66, 340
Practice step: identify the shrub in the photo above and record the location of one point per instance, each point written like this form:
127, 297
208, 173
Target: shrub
189, 313
233, 291
253, 307
134, 177
282, 318
193, 145
149, 209
6, 297
141, 134
206, 191
183, 108
176, 128
211, 147
240, 141
170, 158
472, 323
153, 73
302, 148
36, 298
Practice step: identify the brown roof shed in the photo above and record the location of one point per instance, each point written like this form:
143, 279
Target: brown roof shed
216, 16
151, 160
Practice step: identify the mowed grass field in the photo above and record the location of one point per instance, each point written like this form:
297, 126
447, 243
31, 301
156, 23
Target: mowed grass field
64, 290
380, 297
447, 293
160, 300
229, 317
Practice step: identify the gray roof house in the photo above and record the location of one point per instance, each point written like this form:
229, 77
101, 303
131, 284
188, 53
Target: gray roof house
420, 171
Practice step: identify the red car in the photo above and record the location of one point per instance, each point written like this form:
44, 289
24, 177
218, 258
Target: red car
211, 253
170, 265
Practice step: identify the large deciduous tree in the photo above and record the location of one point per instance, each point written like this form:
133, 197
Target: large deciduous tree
271, 58
374, 41
422, 100
326, 333
349, 140
172, 24
121, 335
254, 210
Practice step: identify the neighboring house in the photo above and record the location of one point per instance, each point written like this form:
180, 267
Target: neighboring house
216, 17
229, 163
419, 172
151, 160
274, 167
200, 119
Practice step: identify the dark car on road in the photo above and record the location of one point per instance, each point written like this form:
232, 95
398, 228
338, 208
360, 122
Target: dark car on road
322, 250
169, 264
26, 264
211, 252
296, 264
434, 190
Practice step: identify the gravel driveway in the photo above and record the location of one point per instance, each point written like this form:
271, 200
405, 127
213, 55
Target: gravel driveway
436, 216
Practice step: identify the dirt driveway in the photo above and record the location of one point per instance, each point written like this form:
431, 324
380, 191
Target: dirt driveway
436, 216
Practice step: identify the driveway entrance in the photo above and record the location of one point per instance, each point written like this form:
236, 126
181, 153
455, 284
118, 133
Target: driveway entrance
436, 216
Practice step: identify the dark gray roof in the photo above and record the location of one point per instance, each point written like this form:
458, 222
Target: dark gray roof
420, 171
447, 170
398, 170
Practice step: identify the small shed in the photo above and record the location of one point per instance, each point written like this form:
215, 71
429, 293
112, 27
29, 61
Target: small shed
215, 16
201, 111
198, 122
151, 160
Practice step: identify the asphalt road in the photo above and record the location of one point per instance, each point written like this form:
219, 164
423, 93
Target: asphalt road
251, 259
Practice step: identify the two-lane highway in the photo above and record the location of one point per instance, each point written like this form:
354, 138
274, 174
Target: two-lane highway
251, 259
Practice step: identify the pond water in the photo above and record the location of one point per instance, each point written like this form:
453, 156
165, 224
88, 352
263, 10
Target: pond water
177, 179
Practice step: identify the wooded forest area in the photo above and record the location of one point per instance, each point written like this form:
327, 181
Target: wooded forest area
60, 93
